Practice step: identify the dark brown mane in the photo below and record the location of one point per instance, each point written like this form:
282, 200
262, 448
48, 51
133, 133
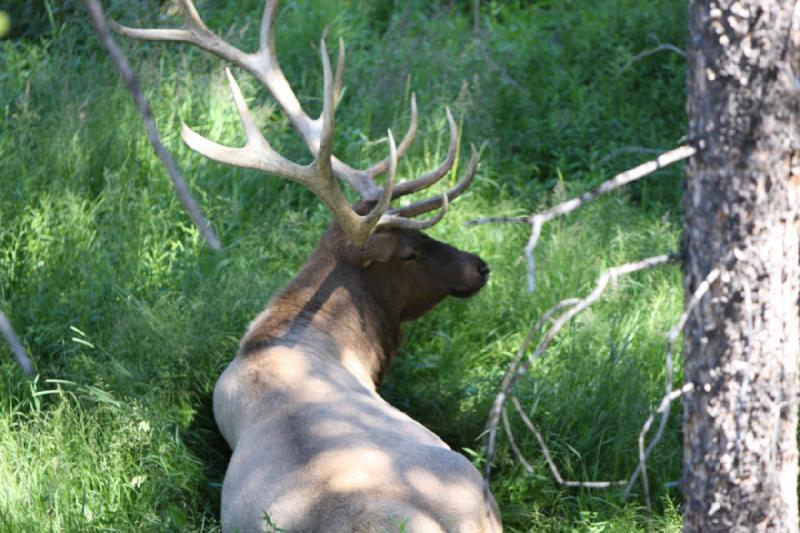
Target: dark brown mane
356, 297
311, 301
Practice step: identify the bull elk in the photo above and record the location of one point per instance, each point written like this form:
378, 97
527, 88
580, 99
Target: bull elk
315, 448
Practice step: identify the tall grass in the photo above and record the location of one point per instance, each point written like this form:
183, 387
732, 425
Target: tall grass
130, 318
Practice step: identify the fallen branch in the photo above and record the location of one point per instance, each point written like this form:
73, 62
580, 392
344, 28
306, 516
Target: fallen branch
546, 452
537, 220
517, 370
669, 394
511, 371
16, 347
131, 81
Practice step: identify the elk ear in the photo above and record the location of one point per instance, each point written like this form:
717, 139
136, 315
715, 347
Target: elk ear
379, 248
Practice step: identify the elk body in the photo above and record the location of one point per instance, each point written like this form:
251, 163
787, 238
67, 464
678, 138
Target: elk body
315, 448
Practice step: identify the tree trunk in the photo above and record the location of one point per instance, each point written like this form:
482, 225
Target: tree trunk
741, 204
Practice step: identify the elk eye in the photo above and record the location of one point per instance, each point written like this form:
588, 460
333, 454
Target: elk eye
411, 255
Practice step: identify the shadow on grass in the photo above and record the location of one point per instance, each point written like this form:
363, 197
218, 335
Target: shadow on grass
207, 444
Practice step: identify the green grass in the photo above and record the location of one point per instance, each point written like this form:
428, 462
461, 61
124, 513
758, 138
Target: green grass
131, 318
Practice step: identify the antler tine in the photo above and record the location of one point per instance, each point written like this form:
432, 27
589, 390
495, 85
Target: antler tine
197, 34
340, 73
430, 204
322, 182
431, 177
397, 221
383, 164
256, 153
378, 212
323, 157
358, 228
192, 14
317, 176
266, 39
251, 130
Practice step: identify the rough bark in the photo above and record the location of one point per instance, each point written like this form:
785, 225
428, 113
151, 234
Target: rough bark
741, 203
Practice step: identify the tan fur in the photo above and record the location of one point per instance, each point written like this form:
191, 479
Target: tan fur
314, 447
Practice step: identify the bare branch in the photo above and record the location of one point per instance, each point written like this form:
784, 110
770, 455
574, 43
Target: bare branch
505, 387
16, 347
518, 370
131, 81
663, 409
537, 220
546, 452
612, 274
669, 394
623, 178
513, 442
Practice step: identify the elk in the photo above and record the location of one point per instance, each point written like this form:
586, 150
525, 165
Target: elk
315, 448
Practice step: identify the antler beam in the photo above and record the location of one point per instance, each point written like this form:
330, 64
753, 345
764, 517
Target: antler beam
321, 175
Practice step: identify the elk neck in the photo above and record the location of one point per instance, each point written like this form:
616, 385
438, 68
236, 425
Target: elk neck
330, 309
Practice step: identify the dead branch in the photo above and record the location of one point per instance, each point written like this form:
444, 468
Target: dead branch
663, 410
669, 394
16, 347
537, 220
546, 452
513, 442
511, 371
98, 20
517, 370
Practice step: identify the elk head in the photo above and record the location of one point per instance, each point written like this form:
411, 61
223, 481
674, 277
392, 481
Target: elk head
410, 272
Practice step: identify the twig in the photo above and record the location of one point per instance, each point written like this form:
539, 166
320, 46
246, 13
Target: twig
546, 452
506, 385
650, 51
131, 81
669, 394
536, 232
663, 409
537, 220
518, 370
16, 347
602, 282
513, 442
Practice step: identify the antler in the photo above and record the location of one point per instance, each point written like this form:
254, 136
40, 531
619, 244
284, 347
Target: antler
319, 176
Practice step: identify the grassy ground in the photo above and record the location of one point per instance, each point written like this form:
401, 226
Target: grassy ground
130, 318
